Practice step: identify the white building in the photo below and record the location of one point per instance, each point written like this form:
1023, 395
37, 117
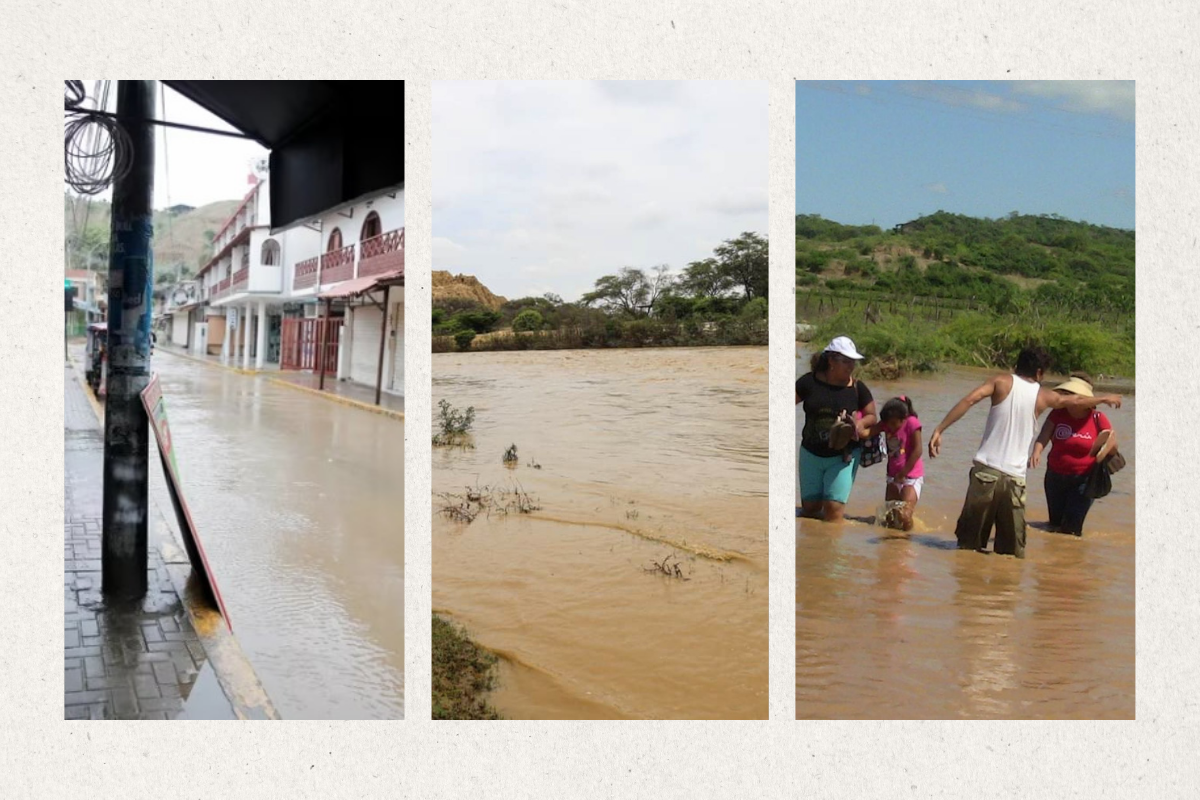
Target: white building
244, 283
358, 281
337, 280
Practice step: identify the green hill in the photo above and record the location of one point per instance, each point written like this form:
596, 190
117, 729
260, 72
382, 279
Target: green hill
999, 283
181, 234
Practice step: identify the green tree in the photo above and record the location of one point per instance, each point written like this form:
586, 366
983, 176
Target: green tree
631, 291
480, 321
527, 320
705, 279
743, 261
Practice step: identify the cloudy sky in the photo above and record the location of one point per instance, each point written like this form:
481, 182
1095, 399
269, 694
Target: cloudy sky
544, 186
192, 168
889, 151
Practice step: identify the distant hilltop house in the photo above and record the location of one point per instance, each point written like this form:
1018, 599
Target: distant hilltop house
326, 295
178, 209
91, 299
912, 226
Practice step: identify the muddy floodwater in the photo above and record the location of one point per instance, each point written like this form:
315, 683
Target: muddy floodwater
643, 454
300, 506
895, 626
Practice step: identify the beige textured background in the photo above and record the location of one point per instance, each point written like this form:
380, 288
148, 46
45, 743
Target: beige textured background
42, 43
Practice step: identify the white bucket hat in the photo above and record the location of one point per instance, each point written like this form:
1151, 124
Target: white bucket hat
843, 346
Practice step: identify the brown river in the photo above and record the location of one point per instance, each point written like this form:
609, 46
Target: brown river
643, 454
893, 626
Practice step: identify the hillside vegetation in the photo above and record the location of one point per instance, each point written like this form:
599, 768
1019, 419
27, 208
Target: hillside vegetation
948, 287
182, 235
720, 300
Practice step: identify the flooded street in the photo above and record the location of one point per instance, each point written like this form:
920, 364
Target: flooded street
299, 502
889, 626
643, 454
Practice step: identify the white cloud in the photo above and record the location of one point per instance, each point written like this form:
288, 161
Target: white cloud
1108, 98
446, 251
957, 96
744, 203
547, 185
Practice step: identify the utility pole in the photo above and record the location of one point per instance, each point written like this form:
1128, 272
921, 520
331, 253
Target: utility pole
126, 426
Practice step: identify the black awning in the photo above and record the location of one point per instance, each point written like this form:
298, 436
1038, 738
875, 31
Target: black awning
331, 142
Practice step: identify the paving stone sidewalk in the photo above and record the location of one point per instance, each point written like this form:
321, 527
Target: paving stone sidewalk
136, 661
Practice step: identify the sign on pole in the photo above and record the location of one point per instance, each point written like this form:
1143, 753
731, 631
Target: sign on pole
152, 399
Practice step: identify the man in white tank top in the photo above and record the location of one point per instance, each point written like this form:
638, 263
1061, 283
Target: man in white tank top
996, 494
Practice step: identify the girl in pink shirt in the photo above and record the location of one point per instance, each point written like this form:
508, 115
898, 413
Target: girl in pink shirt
905, 470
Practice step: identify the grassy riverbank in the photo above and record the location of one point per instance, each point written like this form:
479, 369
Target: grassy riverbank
463, 674
724, 332
895, 346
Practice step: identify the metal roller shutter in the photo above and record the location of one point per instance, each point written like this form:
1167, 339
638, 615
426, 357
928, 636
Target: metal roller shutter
179, 329
364, 344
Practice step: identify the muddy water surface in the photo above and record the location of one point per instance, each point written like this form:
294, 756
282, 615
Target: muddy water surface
643, 454
300, 506
891, 626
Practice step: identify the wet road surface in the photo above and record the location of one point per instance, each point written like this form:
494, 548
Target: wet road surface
299, 503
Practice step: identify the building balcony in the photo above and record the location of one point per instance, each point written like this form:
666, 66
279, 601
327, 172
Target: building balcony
380, 254
337, 266
306, 273
240, 279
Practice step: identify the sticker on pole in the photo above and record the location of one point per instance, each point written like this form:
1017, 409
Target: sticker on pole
152, 399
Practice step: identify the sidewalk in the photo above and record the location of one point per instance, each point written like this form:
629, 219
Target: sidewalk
348, 390
355, 394
215, 361
137, 661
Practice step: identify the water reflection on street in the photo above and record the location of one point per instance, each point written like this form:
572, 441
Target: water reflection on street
299, 503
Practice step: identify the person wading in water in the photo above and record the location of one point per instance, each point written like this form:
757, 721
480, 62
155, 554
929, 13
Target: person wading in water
829, 443
996, 494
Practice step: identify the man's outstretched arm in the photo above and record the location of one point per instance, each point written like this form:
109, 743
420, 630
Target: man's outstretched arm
955, 414
1048, 398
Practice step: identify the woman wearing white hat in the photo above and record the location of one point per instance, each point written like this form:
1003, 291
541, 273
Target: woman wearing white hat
1079, 442
829, 451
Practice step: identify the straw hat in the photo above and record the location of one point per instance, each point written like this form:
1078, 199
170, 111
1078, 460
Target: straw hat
1075, 386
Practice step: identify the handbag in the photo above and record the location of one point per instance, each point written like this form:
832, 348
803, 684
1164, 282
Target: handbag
874, 450
1099, 478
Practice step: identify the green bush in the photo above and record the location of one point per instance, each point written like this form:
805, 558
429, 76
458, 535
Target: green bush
527, 320
463, 339
477, 321
755, 309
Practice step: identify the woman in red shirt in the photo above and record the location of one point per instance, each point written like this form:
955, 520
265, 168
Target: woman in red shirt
1078, 443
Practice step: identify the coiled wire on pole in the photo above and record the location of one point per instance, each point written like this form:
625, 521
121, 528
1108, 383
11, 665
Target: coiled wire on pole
97, 149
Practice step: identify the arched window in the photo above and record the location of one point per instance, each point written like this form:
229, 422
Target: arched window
270, 253
371, 227
335, 240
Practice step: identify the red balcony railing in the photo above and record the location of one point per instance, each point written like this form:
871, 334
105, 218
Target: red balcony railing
337, 265
306, 273
222, 288
383, 253
241, 277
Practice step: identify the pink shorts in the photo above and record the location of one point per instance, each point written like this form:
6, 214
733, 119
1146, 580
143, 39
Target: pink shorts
915, 483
